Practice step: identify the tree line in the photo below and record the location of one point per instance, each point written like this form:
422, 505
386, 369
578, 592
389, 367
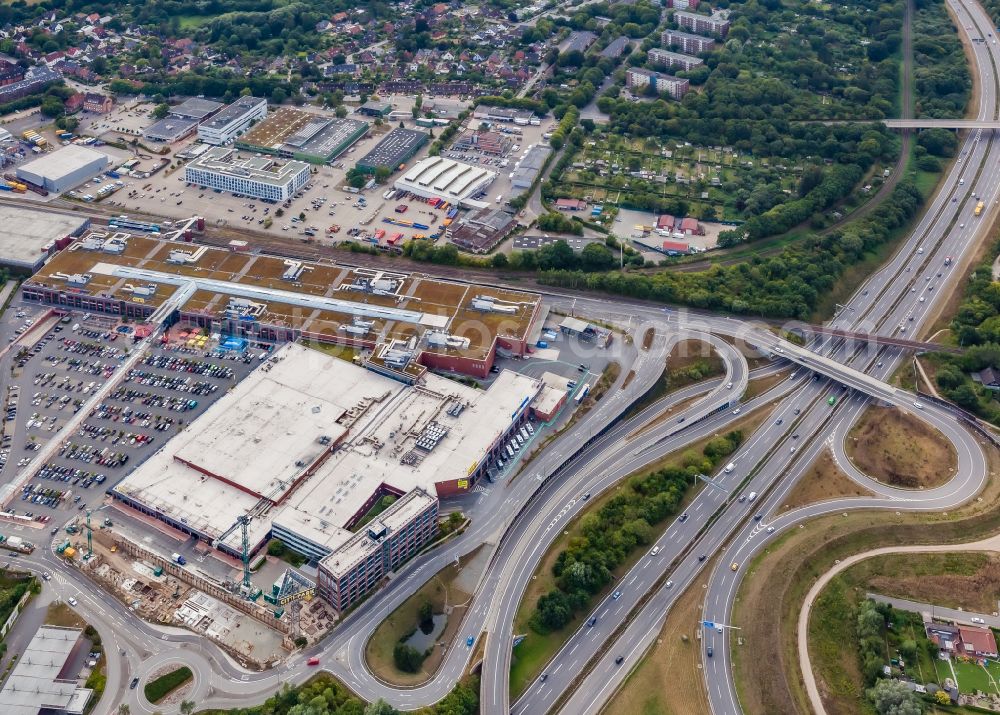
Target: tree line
608, 537
787, 285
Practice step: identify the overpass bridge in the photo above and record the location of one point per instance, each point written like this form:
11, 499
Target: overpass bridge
821, 331
977, 124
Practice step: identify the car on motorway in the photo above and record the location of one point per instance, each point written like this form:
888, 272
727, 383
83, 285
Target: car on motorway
46, 575
683, 517
702, 557
736, 411
655, 551
977, 619
619, 659
758, 517
133, 684
729, 386
313, 661
734, 566
770, 530
586, 496
616, 595
708, 651
73, 601
544, 677
752, 495
669, 584
592, 621
469, 641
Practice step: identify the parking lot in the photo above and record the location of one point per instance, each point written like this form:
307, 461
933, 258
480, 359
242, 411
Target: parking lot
51, 381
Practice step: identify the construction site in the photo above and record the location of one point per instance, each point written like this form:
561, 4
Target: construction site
161, 591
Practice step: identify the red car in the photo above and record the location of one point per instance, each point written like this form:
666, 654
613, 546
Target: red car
313, 661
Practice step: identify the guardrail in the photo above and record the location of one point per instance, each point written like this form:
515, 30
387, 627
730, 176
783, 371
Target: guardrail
967, 418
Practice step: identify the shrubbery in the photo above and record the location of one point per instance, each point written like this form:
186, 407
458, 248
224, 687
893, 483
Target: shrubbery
609, 536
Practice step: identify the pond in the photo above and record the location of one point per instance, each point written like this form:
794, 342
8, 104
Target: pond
422, 641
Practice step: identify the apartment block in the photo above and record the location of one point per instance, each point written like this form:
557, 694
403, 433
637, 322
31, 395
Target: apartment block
686, 42
674, 60
716, 24
639, 79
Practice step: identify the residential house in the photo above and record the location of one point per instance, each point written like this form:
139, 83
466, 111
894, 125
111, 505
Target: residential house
571, 205
977, 642
988, 377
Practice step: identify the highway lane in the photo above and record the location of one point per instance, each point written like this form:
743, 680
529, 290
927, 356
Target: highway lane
881, 296
724, 584
533, 535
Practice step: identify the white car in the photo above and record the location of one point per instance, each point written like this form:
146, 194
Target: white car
73, 601
977, 619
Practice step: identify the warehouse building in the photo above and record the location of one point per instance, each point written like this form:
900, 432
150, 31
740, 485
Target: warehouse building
28, 237
375, 109
323, 441
64, 168
439, 178
489, 113
232, 121
259, 177
197, 108
482, 231
44, 678
395, 149
303, 136
181, 121
527, 168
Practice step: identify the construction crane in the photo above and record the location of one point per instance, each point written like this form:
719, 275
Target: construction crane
90, 537
242, 523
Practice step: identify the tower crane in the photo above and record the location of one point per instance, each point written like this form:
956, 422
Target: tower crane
243, 524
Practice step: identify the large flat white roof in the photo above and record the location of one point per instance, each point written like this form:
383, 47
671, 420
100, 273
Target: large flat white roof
64, 161
264, 436
23, 232
35, 683
445, 178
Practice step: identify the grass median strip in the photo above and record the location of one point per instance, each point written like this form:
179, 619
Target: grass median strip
156, 690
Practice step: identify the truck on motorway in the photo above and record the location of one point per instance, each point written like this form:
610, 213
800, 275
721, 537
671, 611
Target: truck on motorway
979, 208
178, 559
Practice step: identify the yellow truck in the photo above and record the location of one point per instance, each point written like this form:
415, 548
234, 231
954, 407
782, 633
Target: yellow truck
979, 208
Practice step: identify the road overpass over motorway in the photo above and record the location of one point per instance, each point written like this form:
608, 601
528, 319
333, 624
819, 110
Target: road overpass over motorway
923, 123
811, 332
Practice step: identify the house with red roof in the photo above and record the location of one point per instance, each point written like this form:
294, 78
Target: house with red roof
571, 205
976, 642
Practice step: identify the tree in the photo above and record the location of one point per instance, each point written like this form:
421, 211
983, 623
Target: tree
278, 95
499, 260
124, 709
425, 617
382, 173
941, 697
380, 707
187, 707
407, 658
161, 110
892, 697
52, 107
340, 111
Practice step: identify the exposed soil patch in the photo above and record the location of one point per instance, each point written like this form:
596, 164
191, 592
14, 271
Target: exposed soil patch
824, 480
895, 447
